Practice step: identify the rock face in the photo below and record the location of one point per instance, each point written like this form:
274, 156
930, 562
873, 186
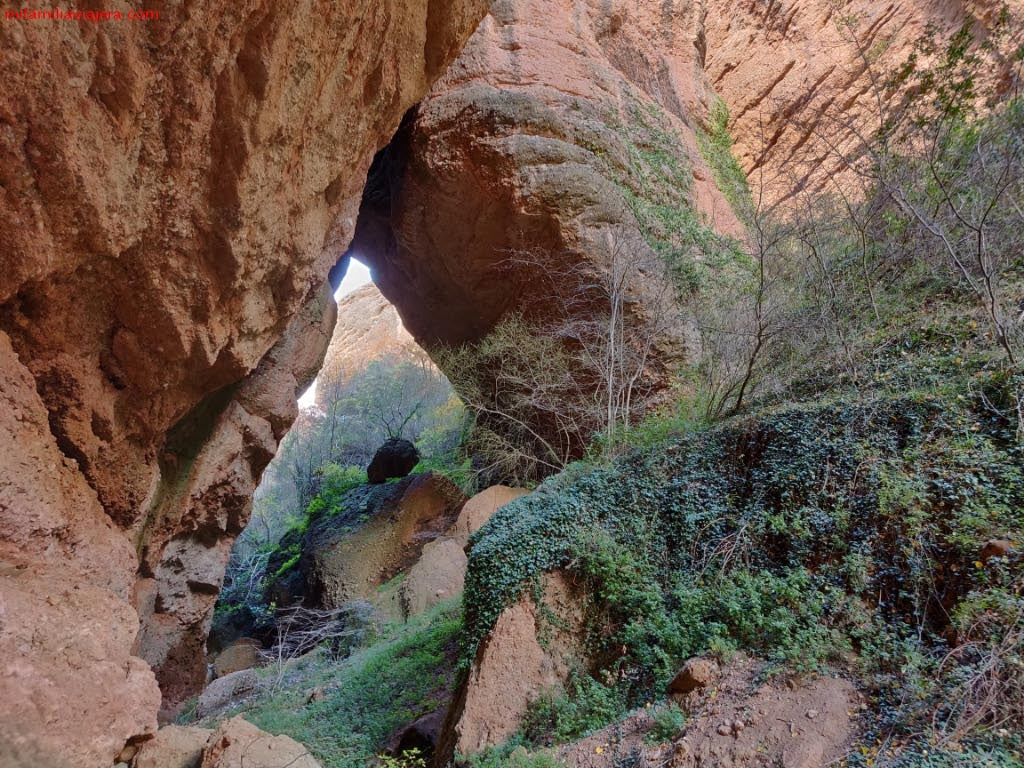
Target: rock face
479, 509
238, 744
172, 211
396, 458
368, 328
439, 574
795, 78
535, 145
380, 534
235, 744
513, 668
225, 690
174, 746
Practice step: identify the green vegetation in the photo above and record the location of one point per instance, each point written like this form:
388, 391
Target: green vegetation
669, 721
407, 673
715, 146
832, 534
512, 754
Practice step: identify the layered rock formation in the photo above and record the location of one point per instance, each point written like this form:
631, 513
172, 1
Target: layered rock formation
368, 329
566, 134
803, 80
172, 208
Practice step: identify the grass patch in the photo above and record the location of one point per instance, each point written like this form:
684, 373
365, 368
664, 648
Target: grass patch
408, 673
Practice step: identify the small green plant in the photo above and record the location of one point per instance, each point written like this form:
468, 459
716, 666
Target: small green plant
409, 758
668, 721
511, 754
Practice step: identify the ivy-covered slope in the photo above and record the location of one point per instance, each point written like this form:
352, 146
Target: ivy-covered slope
837, 533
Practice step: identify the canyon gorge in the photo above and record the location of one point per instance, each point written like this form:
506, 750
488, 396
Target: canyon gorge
181, 196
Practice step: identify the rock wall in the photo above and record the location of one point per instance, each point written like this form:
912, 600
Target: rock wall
801, 77
541, 151
175, 192
527, 147
368, 329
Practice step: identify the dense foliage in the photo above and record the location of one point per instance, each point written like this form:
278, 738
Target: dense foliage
835, 533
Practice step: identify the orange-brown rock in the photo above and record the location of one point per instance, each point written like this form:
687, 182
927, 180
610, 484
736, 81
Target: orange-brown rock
368, 329
341, 563
479, 509
239, 744
513, 668
795, 74
173, 202
518, 177
174, 746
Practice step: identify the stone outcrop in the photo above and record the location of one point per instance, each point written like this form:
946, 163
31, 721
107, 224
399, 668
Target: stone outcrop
172, 210
225, 690
378, 533
513, 668
174, 746
479, 509
438, 575
240, 654
368, 329
235, 744
238, 744
518, 177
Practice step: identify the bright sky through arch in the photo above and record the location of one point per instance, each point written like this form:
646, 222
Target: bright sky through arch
358, 275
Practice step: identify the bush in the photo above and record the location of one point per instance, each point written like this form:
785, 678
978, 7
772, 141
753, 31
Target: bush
808, 535
668, 722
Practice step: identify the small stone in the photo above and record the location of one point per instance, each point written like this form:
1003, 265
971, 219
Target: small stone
811, 714
996, 548
724, 730
696, 673
317, 694
127, 753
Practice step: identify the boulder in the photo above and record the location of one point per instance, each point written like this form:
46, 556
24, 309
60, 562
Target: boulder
174, 746
423, 735
439, 574
396, 458
696, 673
241, 654
225, 690
377, 532
529, 653
996, 548
238, 744
478, 510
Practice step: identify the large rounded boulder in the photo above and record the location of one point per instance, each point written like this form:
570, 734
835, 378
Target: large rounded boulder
396, 458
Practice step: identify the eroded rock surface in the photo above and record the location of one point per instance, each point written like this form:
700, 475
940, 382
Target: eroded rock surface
518, 177
172, 210
239, 744
801, 78
513, 668
479, 509
377, 533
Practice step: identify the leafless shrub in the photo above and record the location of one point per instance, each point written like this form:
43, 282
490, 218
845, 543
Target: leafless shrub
337, 630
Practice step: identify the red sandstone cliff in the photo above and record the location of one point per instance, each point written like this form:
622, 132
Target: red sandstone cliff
174, 194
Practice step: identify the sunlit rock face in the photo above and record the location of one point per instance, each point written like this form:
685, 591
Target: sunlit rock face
802, 79
175, 192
